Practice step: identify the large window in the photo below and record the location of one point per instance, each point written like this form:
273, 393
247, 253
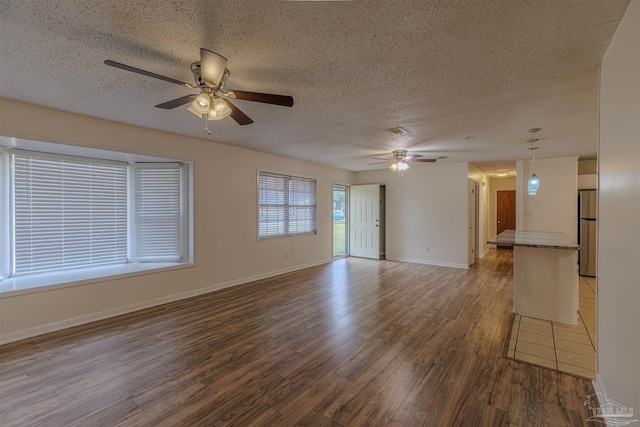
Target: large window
286, 205
67, 213
158, 207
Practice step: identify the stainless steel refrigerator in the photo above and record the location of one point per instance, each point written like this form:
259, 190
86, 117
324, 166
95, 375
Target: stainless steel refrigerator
587, 204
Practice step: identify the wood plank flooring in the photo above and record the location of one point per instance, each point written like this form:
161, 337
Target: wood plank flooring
353, 343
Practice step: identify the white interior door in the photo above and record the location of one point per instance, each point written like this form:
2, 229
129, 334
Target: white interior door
365, 221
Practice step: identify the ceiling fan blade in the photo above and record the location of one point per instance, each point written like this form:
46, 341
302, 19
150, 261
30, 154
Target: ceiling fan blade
212, 66
421, 160
146, 73
381, 158
177, 102
377, 163
267, 98
413, 156
237, 115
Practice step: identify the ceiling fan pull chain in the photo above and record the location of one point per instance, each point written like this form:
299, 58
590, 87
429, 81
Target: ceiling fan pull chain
206, 128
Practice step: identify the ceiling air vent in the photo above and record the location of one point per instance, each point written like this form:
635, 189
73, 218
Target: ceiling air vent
397, 131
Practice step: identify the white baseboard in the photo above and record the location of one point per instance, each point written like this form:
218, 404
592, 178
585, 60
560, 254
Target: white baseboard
428, 262
486, 251
81, 320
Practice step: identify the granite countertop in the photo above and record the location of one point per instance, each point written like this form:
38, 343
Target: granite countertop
534, 239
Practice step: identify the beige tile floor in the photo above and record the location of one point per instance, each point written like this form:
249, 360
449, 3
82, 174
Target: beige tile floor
559, 346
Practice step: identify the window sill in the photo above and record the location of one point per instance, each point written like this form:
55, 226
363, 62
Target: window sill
63, 279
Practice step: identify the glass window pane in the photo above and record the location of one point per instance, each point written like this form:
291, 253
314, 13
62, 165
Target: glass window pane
287, 205
69, 212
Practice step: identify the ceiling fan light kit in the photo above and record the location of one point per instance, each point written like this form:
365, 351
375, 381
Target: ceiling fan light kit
214, 107
193, 110
202, 103
219, 109
401, 159
399, 162
399, 166
210, 75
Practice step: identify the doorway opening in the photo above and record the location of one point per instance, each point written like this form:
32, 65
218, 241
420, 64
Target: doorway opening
474, 229
367, 217
505, 212
340, 220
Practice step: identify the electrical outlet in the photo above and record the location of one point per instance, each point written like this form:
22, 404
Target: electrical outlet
427, 249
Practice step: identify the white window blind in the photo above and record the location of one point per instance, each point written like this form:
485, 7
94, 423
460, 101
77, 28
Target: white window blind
69, 212
4, 212
287, 205
158, 210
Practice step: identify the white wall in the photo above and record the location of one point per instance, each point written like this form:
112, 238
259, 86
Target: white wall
483, 215
587, 174
587, 167
226, 248
427, 207
619, 216
555, 206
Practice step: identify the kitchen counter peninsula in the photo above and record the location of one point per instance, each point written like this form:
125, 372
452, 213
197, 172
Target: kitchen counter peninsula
535, 239
545, 274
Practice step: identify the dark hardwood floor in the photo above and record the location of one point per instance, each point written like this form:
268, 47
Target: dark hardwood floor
352, 343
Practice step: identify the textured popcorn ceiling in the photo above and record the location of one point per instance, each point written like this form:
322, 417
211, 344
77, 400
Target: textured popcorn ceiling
466, 79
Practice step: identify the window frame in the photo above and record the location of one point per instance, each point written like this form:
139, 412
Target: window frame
183, 226
5, 213
287, 205
10, 283
28, 171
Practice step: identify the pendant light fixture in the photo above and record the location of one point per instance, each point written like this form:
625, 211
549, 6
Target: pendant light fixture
534, 181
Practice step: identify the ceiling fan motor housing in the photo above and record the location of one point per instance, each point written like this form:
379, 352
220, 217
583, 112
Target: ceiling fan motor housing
196, 69
399, 154
197, 74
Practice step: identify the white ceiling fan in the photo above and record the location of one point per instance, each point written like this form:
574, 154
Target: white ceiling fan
400, 160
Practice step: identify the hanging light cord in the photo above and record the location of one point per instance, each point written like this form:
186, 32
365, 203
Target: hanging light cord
533, 162
533, 148
534, 182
